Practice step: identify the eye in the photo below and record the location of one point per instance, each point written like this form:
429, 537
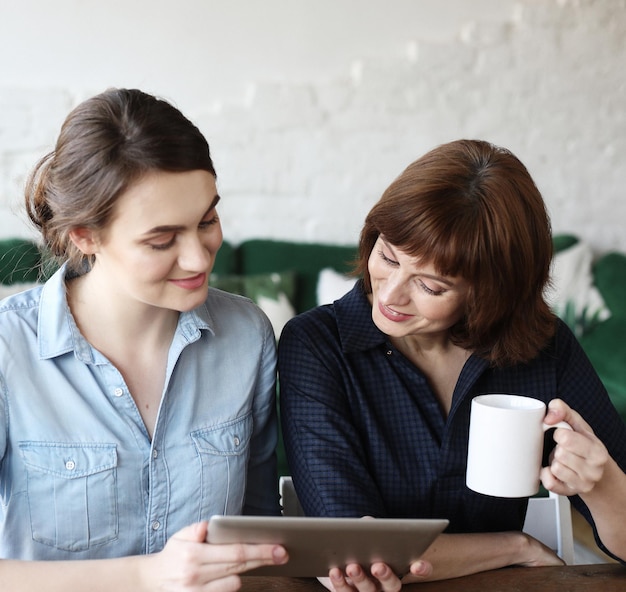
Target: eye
430, 290
386, 259
164, 245
208, 223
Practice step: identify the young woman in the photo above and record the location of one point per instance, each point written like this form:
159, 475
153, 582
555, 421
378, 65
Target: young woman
376, 388
135, 401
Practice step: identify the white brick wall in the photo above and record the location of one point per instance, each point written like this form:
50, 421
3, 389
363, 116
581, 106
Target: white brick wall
305, 160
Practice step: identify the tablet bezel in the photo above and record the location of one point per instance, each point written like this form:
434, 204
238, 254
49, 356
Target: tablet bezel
317, 544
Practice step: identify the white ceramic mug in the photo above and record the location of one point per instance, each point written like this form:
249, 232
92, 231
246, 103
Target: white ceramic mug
506, 444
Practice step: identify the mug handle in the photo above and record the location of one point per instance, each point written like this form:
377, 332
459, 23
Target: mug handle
561, 424
546, 453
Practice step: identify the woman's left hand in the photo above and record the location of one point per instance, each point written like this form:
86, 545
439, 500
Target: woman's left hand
579, 459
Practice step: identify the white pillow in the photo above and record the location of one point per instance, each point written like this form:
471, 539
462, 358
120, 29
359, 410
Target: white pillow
332, 285
278, 311
572, 295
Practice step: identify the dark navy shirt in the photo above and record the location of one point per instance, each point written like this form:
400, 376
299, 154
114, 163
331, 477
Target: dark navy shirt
365, 434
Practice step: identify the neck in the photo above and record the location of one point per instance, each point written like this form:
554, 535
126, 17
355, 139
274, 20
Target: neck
111, 322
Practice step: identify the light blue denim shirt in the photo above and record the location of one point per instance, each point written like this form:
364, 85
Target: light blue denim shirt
80, 477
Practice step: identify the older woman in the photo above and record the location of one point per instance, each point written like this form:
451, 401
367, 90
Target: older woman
376, 388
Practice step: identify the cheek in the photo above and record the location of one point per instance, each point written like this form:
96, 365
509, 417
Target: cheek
448, 312
151, 265
376, 269
215, 241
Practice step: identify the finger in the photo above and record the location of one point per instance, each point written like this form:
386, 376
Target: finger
578, 460
227, 584
338, 580
421, 568
579, 479
559, 410
360, 579
238, 558
387, 579
195, 533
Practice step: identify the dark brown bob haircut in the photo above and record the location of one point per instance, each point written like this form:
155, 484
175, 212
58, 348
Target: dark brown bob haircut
472, 210
106, 144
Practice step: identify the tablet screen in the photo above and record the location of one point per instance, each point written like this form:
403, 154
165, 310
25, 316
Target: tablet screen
317, 544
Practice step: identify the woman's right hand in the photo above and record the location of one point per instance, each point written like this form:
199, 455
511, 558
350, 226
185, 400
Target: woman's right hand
189, 564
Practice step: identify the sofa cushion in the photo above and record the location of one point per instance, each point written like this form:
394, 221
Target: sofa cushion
305, 259
226, 260
20, 261
560, 242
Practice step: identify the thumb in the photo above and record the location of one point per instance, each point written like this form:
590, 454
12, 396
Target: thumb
194, 533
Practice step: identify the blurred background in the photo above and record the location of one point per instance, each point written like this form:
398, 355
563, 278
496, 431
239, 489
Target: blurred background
311, 108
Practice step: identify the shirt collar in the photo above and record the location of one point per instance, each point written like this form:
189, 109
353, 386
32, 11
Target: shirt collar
58, 333
354, 320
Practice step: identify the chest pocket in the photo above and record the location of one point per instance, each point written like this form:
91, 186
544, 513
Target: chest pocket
72, 493
223, 453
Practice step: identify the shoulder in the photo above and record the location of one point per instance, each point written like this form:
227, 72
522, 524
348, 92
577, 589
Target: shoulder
352, 307
20, 307
315, 329
223, 309
564, 344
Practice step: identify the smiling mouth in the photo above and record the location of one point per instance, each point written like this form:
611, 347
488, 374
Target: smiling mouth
191, 283
392, 315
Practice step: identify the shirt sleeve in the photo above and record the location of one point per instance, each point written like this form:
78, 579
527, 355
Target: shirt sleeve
323, 447
262, 481
3, 419
581, 388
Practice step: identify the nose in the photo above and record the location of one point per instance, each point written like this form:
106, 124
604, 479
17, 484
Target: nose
395, 290
194, 256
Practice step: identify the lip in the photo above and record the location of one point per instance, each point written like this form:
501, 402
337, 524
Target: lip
390, 314
191, 283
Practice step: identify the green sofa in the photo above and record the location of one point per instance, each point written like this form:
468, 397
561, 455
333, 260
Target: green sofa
296, 267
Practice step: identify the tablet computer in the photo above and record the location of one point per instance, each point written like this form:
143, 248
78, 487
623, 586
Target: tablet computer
317, 544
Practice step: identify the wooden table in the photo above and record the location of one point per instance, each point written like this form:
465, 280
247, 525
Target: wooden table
609, 577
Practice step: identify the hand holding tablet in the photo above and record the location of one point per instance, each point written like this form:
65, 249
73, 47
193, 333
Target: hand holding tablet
315, 545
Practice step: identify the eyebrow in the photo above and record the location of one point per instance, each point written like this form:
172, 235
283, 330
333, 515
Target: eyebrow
437, 278
175, 228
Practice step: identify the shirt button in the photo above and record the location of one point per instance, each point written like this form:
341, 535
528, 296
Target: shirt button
237, 441
155, 453
118, 392
389, 352
156, 525
70, 465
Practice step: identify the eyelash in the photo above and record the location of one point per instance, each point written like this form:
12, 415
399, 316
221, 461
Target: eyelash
202, 226
422, 285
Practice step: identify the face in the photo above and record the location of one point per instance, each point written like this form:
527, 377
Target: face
409, 297
160, 246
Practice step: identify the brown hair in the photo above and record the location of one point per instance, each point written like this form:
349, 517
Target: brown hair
105, 145
472, 210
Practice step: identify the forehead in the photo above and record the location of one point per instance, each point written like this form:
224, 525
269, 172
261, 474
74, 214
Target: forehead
164, 198
420, 264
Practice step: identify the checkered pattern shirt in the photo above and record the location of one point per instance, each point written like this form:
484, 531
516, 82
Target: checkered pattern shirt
365, 434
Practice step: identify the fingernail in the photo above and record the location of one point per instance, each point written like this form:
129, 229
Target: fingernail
279, 554
418, 568
382, 571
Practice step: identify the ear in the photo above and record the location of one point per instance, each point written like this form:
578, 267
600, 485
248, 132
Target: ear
84, 240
